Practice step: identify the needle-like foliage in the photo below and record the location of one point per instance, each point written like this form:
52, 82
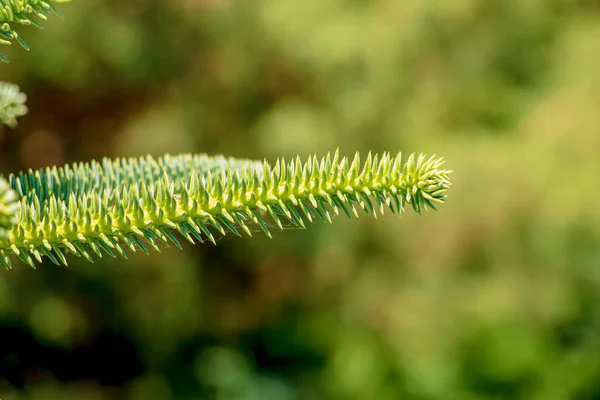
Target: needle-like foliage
12, 104
23, 12
106, 207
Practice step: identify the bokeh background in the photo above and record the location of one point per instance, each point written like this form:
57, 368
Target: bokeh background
496, 296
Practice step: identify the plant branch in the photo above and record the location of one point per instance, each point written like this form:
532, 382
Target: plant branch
107, 207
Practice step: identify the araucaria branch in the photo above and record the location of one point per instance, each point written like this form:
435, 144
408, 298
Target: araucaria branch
96, 208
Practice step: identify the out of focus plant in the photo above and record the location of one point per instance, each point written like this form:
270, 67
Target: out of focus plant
12, 104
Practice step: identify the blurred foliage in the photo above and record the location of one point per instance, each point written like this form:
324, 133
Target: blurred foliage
496, 297
12, 104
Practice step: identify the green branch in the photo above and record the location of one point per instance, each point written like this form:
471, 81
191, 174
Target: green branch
23, 12
107, 207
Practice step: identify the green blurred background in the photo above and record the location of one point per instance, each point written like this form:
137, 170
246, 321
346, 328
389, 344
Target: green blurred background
496, 296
